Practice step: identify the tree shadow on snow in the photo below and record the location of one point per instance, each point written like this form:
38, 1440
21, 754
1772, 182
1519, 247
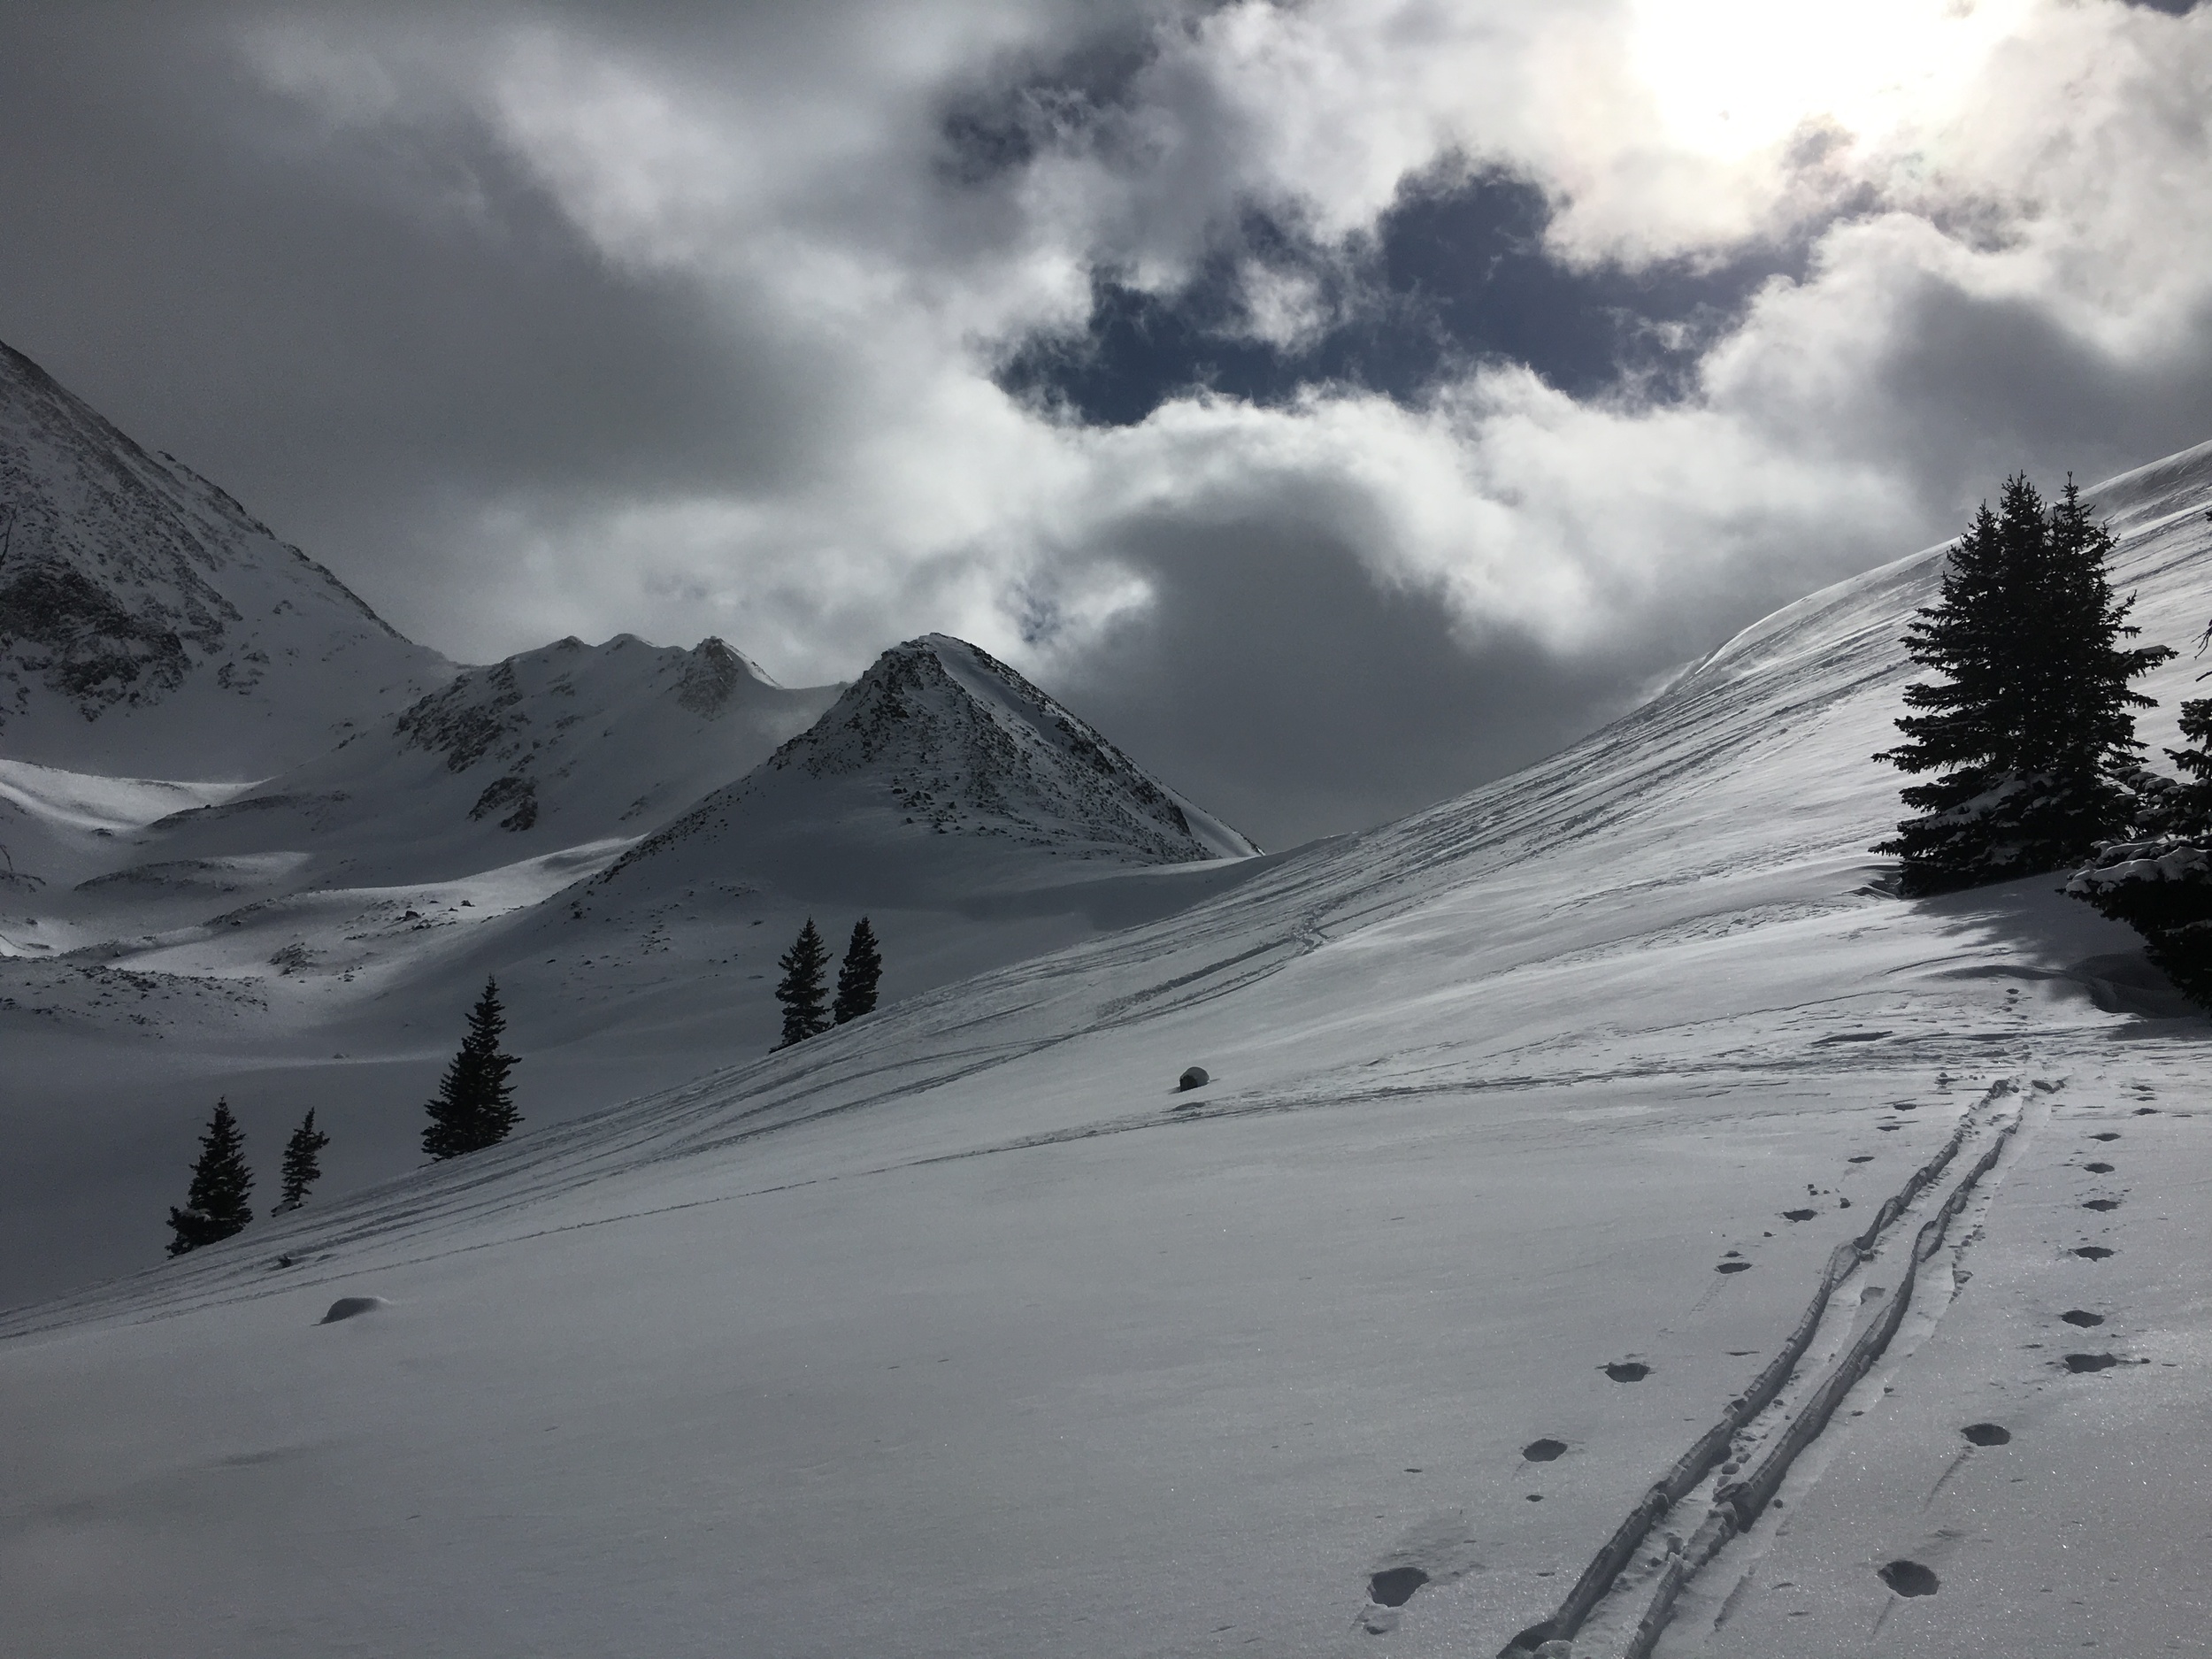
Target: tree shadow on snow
2063, 943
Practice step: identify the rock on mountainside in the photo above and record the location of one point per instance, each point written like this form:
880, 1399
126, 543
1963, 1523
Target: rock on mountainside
557, 748
939, 738
150, 624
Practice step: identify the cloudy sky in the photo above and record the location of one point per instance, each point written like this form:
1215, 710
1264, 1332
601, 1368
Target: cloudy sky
1340, 403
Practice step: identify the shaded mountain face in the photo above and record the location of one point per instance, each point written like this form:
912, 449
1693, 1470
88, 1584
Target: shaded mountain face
561, 746
939, 739
150, 624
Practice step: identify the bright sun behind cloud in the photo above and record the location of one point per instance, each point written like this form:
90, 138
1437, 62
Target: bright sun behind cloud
1733, 77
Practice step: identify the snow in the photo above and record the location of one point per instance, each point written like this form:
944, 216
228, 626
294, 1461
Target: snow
153, 626
962, 1330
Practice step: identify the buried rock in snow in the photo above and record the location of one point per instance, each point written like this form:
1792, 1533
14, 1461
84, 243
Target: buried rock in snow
350, 1307
1194, 1077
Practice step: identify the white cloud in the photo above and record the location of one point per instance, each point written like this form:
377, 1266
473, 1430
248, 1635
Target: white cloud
2034, 167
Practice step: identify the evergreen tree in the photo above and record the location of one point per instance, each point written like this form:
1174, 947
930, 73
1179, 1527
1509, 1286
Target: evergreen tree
2031, 731
858, 975
475, 1107
2161, 884
216, 1205
303, 1168
800, 990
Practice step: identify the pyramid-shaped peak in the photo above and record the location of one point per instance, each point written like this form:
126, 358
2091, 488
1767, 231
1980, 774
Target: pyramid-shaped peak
958, 740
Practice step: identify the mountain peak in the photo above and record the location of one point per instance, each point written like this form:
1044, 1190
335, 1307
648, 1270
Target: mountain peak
142, 601
961, 741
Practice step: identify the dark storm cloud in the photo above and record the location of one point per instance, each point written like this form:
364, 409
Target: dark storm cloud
354, 332
1374, 708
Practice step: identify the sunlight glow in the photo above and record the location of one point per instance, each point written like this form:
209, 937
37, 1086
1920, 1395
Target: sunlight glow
1732, 77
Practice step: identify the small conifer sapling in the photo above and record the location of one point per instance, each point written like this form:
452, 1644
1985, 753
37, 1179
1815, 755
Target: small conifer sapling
800, 989
858, 975
303, 1165
217, 1203
475, 1104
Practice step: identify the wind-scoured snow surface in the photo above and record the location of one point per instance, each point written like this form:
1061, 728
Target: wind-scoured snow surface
148, 624
1534, 1123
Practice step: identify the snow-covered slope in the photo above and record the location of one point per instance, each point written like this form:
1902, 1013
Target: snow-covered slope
148, 625
318, 935
1535, 1122
557, 748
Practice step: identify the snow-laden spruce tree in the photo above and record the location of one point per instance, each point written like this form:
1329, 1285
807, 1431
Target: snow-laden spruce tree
2161, 882
475, 1104
2032, 730
800, 989
217, 1203
303, 1164
857, 974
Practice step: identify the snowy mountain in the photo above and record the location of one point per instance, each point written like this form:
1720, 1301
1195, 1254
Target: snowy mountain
937, 738
315, 935
1611, 1130
148, 625
561, 746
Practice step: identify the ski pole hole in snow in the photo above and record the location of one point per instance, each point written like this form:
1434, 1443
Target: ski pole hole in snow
1198, 1076
1394, 1587
2082, 1317
350, 1307
1543, 1451
1628, 1371
1910, 1577
2081, 1362
2092, 1252
1987, 1433
2098, 1169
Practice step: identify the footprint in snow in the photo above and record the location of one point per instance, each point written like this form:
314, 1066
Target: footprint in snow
2082, 1317
2079, 1362
1910, 1577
